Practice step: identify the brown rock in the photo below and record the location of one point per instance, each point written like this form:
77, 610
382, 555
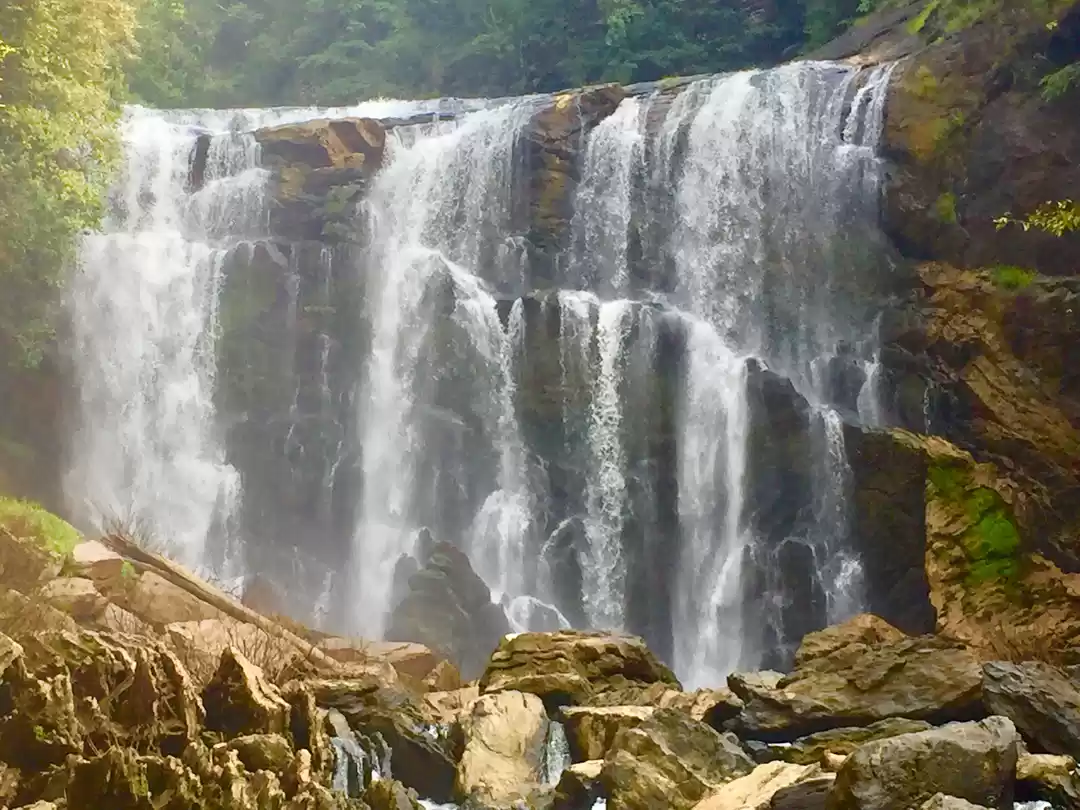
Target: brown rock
443, 678
345, 143
572, 666
263, 752
579, 786
97, 562
448, 707
1048, 778
590, 730
1042, 702
755, 791
810, 750
863, 629
117, 620
239, 700
670, 761
25, 561
504, 748
159, 602
75, 596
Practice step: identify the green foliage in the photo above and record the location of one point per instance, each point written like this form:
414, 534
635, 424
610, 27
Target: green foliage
945, 209
1012, 278
60, 72
1061, 82
992, 544
1057, 218
918, 23
266, 52
26, 519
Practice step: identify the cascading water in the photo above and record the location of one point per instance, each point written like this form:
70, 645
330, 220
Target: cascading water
720, 232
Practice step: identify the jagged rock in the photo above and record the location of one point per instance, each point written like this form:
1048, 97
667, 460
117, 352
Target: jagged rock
670, 760
443, 678
202, 643
1042, 702
9, 784
712, 706
449, 609
579, 786
98, 562
448, 707
414, 662
307, 728
971, 761
41, 728
504, 749
591, 730
76, 597
387, 794
115, 779
26, 562
239, 700
25, 616
755, 791
1048, 778
263, 752
422, 755
114, 619
921, 678
940, 801
572, 666
810, 750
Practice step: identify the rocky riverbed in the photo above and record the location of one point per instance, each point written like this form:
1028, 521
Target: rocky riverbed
129, 683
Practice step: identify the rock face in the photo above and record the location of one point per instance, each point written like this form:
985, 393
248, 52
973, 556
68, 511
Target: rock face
670, 761
858, 683
1042, 702
449, 609
971, 761
504, 749
239, 700
571, 667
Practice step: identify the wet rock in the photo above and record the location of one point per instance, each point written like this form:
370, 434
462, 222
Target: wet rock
1048, 778
591, 730
449, 609
504, 749
670, 760
579, 786
860, 683
423, 756
971, 761
571, 666
342, 143
239, 700
755, 791
387, 794
810, 750
1042, 702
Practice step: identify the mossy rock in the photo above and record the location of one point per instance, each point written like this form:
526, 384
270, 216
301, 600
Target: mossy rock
33, 543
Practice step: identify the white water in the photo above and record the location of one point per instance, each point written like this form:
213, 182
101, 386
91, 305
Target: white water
432, 208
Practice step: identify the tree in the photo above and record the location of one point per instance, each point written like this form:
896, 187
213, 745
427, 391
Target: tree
60, 75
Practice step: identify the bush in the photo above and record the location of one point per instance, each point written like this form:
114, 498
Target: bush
1012, 278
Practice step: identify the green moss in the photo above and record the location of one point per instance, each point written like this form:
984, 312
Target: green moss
945, 209
1012, 278
992, 544
918, 23
29, 520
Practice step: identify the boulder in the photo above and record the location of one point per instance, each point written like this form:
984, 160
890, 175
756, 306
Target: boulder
414, 662
866, 629
670, 760
115, 619
448, 608
1048, 778
755, 791
572, 667
98, 562
26, 562
811, 794
939, 801
240, 700
579, 786
712, 706
1040, 699
308, 729
344, 143
263, 752
25, 616
504, 749
423, 756
859, 683
448, 707
387, 794
75, 596
590, 730
810, 750
159, 602
443, 678
971, 761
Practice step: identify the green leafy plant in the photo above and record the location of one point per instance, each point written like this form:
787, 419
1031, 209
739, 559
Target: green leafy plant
1012, 278
1060, 82
945, 209
1057, 218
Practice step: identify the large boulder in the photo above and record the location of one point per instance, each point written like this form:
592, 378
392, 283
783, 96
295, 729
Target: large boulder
342, 143
448, 608
572, 667
860, 683
672, 761
579, 786
591, 730
1042, 702
1048, 778
811, 750
971, 761
159, 602
755, 791
504, 749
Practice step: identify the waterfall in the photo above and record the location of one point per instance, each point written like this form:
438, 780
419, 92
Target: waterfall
440, 212
586, 428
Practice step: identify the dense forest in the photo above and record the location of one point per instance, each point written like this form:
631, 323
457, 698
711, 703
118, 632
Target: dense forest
271, 52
